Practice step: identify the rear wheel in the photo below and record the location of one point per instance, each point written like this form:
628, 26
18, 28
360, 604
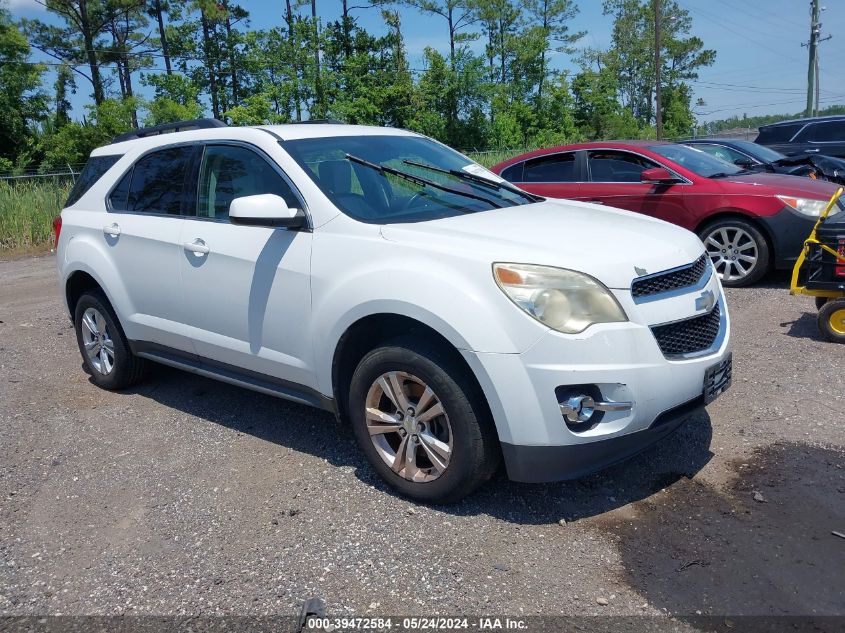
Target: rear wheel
738, 250
421, 422
832, 320
103, 345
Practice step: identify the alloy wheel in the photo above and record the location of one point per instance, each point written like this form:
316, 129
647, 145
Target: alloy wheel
408, 426
97, 340
733, 252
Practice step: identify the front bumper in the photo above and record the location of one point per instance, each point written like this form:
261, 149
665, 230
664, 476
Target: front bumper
622, 362
788, 230
536, 464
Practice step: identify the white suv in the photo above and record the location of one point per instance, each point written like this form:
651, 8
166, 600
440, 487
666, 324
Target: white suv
450, 317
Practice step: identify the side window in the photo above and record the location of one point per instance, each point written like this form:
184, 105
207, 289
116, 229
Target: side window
228, 172
93, 171
119, 198
616, 166
828, 131
778, 133
554, 168
513, 173
158, 181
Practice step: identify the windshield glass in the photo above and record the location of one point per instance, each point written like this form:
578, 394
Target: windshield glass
759, 151
696, 160
361, 190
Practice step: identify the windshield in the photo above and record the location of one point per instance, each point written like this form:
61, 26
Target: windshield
761, 152
696, 160
391, 178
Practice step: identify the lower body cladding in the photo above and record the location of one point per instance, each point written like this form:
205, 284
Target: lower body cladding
572, 405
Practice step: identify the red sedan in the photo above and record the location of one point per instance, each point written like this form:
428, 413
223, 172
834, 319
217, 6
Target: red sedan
749, 222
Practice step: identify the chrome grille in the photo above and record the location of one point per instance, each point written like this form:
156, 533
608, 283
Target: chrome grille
670, 280
689, 336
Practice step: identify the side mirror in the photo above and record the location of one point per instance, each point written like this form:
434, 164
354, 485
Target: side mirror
658, 176
266, 209
744, 163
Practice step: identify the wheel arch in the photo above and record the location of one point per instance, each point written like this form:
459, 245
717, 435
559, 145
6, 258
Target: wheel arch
370, 331
727, 214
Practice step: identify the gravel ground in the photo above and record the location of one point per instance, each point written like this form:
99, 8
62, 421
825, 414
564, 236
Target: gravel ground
187, 496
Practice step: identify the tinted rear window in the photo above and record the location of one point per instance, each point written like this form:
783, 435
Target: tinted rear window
554, 168
778, 133
828, 131
158, 182
93, 171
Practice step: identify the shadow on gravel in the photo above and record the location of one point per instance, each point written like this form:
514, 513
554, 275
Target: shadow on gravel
308, 430
762, 547
806, 326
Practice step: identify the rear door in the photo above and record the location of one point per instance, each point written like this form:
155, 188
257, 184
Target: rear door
553, 175
825, 137
142, 230
614, 180
247, 289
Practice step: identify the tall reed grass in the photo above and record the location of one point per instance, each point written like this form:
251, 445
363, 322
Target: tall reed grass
27, 209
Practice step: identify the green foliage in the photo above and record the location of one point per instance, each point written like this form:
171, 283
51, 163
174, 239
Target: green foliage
21, 101
27, 209
176, 98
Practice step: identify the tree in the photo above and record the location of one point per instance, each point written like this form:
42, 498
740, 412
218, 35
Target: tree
157, 9
552, 18
65, 84
78, 41
22, 103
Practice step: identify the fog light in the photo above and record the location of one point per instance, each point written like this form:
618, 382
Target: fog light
582, 407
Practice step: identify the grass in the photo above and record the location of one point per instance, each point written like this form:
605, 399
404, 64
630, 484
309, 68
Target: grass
492, 157
27, 210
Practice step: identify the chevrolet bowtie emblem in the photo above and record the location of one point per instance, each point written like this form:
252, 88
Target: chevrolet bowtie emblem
706, 301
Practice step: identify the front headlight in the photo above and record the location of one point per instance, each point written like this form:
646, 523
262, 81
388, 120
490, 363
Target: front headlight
807, 206
564, 300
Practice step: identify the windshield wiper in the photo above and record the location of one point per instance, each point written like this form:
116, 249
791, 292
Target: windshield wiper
419, 180
481, 180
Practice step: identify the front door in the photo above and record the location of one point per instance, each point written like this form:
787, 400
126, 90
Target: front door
614, 180
247, 289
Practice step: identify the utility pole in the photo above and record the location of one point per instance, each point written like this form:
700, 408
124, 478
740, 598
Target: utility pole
658, 112
813, 45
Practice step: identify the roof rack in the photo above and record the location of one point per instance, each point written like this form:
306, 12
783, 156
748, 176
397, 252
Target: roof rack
328, 121
178, 126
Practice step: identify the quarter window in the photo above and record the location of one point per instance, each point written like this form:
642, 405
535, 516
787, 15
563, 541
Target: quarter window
615, 166
778, 133
93, 171
828, 131
554, 168
230, 172
157, 182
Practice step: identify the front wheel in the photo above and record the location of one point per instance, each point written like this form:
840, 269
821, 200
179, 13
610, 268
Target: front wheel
738, 250
422, 422
832, 320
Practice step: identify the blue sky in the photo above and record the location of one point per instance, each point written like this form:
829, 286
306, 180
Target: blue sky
761, 67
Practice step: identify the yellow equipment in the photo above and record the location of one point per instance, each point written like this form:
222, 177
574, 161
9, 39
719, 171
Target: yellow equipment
820, 271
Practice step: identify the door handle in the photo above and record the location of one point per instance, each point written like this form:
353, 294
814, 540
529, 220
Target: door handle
811, 151
595, 201
197, 247
113, 230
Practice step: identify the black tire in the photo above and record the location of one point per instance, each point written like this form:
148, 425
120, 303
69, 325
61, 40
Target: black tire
127, 368
832, 320
761, 244
475, 450
820, 301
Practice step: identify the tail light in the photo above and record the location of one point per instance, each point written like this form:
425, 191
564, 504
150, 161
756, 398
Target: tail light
840, 265
57, 230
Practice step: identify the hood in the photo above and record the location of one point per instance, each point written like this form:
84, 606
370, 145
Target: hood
769, 183
612, 245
